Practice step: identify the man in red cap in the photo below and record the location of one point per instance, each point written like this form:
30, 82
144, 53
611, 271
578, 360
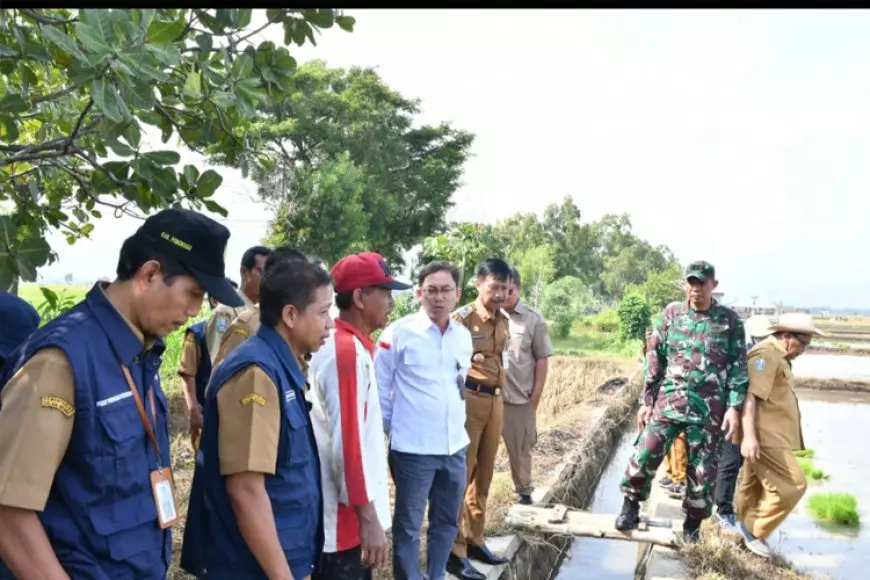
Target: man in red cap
346, 415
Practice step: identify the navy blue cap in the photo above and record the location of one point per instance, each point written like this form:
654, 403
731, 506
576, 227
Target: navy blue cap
18, 320
198, 243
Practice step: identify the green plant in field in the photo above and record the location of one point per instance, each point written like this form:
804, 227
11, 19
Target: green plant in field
807, 453
634, 315
54, 304
812, 473
835, 508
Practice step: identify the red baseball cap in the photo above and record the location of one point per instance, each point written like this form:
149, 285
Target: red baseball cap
364, 270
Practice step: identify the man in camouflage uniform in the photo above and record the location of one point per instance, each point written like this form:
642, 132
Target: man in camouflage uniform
695, 381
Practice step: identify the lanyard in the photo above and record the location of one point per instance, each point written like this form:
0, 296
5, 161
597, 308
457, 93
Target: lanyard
148, 429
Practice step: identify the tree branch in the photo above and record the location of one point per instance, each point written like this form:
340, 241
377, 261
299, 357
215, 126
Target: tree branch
52, 96
42, 19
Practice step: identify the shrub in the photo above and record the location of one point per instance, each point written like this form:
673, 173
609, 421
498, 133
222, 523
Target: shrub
835, 508
606, 320
634, 316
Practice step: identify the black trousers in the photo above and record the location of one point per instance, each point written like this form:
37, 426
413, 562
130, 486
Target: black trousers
730, 463
342, 566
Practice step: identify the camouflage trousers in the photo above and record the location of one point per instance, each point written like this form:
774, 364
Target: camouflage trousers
703, 444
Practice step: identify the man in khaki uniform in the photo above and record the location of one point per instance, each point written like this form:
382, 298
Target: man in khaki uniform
528, 352
484, 411
252, 268
772, 483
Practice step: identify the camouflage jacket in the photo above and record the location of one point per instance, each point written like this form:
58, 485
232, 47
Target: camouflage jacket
696, 363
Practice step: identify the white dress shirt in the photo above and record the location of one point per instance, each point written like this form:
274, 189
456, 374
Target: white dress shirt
421, 379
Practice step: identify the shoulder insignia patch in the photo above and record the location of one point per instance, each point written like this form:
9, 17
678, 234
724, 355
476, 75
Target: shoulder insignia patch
760, 365
241, 331
254, 398
465, 311
59, 404
221, 324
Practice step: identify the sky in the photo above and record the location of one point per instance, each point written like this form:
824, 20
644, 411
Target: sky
737, 137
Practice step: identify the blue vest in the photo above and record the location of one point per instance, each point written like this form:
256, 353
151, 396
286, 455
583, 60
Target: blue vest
203, 371
100, 516
213, 545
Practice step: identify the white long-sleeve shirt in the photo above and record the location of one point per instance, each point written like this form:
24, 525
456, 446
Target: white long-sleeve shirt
420, 374
346, 417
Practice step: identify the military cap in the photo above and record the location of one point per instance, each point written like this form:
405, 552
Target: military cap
703, 271
198, 243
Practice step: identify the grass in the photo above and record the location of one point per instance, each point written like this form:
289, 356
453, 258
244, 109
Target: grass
716, 557
839, 509
813, 473
805, 453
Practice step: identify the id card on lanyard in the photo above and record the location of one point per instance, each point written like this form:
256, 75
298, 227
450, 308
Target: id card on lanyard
161, 478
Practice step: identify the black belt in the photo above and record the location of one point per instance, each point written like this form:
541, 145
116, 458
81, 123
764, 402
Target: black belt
478, 388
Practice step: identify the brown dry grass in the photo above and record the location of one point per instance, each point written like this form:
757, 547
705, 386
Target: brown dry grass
716, 557
572, 391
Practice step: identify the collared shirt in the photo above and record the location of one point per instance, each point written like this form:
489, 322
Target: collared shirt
529, 343
220, 321
421, 379
346, 416
489, 337
771, 382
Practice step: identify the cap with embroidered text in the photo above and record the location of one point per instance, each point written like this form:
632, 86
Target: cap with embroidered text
364, 270
196, 242
703, 271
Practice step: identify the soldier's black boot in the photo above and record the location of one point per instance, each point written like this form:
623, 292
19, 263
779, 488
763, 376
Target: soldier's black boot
629, 517
691, 530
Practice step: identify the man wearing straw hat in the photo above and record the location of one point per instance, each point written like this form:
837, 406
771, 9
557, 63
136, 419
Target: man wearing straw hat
730, 462
773, 482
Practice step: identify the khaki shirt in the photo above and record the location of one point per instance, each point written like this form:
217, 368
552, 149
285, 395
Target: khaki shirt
35, 436
771, 382
244, 327
188, 365
249, 423
489, 337
529, 343
219, 322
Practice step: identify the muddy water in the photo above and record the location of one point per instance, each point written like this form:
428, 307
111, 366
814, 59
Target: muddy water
837, 426
827, 366
605, 559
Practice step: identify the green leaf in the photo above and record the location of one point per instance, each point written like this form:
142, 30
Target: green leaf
191, 173
32, 252
168, 54
101, 182
163, 157
5, 51
150, 117
242, 66
192, 86
204, 42
119, 169
244, 17
138, 97
165, 182
274, 14
14, 103
8, 130
36, 51
320, 17
164, 32
215, 207
106, 98
92, 40
132, 134
138, 61
65, 42
145, 18
101, 22
120, 149
208, 183
346, 23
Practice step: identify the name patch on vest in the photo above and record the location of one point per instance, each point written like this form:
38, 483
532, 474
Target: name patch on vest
114, 399
59, 404
254, 398
290, 396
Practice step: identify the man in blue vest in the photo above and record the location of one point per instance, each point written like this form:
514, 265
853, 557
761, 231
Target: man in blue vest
255, 502
194, 368
18, 320
85, 485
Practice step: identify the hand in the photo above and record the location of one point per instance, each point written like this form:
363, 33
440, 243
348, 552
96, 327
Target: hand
195, 419
750, 449
535, 400
643, 416
731, 423
375, 550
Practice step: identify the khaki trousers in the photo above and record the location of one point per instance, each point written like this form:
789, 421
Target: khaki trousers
769, 490
484, 415
677, 460
520, 436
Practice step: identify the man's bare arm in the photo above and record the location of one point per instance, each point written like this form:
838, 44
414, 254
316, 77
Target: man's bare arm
541, 368
25, 548
253, 511
749, 417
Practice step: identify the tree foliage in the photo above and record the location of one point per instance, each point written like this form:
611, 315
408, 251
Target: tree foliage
661, 287
466, 245
78, 86
346, 165
537, 269
634, 316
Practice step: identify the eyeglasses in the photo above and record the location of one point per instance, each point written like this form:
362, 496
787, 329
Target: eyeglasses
803, 339
433, 292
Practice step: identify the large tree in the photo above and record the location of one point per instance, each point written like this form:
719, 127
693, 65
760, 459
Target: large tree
77, 85
347, 166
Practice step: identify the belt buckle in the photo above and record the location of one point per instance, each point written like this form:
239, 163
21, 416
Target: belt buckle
497, 391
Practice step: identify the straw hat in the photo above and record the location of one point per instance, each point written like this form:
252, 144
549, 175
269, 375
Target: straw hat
796, 322
758, 326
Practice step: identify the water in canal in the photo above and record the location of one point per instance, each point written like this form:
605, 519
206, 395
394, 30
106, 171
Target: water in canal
836, 426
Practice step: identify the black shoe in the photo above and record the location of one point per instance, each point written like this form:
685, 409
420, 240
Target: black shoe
675, 490
483, 554
525, 499
462, 568
665, 481
629, 517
